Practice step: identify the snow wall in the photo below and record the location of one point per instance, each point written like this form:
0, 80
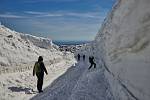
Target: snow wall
38, 41
122, 44
17, 49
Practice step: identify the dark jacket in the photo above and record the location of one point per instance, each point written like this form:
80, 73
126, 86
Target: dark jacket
91, 59
40, 70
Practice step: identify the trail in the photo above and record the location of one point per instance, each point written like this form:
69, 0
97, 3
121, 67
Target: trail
24, 84
78, 83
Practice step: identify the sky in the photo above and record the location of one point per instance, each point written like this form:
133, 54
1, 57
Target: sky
70, 20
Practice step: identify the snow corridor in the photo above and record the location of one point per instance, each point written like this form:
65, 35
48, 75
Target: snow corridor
78, 83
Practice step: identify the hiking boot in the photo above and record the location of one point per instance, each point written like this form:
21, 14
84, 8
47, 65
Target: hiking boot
40, 91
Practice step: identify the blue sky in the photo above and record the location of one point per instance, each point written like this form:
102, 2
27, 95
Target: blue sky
55, 19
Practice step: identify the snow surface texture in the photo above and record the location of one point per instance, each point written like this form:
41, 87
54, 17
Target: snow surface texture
65, 81
18, 53
122, 44
22, 85
22, 50
38, 41
78, 83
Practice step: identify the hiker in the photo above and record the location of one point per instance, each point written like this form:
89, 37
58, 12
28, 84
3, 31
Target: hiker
78, 57
83, 57
39, 69
91, 60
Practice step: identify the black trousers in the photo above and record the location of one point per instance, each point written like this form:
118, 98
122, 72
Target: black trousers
83, 59
40, 77
92, 65
78, 58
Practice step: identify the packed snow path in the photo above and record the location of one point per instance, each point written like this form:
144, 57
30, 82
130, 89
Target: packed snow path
24, 84
78, 83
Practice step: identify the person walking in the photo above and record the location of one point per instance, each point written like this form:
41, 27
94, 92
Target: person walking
78, 57
91, 60
39, 69
83, 57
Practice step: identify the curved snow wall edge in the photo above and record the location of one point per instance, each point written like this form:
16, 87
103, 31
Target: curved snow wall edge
123, 45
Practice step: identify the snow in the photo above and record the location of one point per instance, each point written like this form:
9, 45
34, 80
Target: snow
121, 50
16, 51
66, 80
122, 47
24, 84
122, 44
38, 41
78, 83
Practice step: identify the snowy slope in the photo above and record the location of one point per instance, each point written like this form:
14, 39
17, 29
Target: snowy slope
18, 53
18, 49
122, 44
38, 41
22, 85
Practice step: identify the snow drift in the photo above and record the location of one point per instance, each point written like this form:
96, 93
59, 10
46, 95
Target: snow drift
122, 44
38, 41
18, 49
18, 53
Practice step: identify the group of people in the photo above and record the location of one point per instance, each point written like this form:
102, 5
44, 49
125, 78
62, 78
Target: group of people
91, 60
79, 57
39, 69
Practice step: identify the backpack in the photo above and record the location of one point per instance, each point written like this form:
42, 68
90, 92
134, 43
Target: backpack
37, 67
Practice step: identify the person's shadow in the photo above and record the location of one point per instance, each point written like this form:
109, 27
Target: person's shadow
21, 89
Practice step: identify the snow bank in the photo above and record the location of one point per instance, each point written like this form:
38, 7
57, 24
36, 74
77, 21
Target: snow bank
38, 41
19, 50
18, 53
24, 84
122, 44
